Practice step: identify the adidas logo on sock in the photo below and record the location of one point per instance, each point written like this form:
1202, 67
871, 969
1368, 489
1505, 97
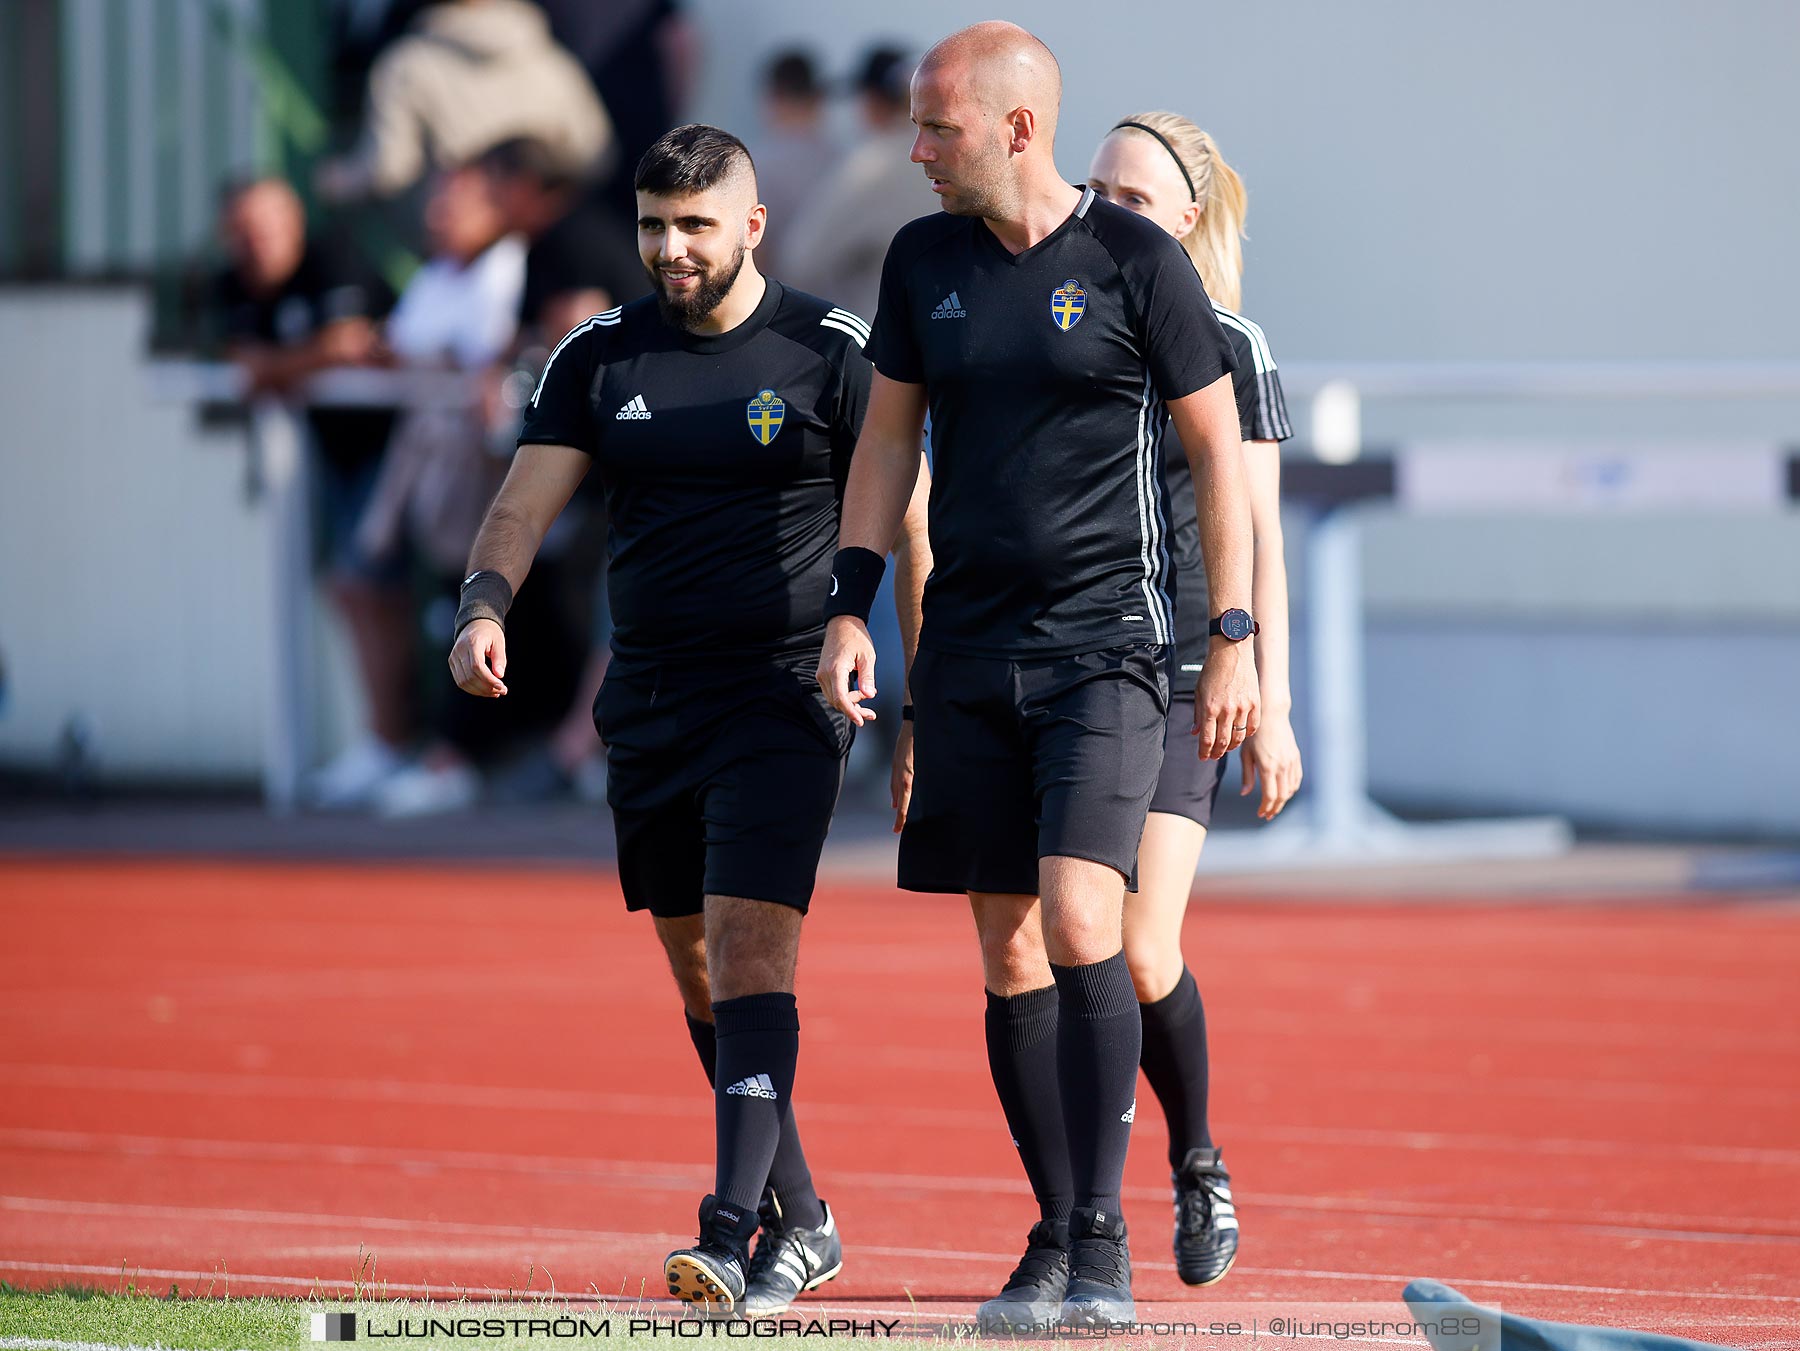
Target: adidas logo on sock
1130, 1113
950, 307
633, 411
756, 1086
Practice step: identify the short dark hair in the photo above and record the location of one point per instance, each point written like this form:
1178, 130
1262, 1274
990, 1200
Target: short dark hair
693, 158
885, 73
528, 157
792, 74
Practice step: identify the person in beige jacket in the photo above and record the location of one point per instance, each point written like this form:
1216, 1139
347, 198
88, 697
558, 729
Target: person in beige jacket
465, 76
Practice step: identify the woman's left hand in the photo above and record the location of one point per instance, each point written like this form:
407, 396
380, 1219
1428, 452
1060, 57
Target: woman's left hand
1274, 754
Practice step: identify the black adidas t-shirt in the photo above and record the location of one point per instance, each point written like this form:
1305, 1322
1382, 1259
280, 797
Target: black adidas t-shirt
723, 460
1043, 372
1262, 416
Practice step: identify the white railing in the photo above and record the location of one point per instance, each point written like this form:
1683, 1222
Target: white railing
1337, 819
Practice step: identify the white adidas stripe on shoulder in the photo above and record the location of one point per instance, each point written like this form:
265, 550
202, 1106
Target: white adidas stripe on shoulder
859, 336
605, 319
845, 319
1259, 345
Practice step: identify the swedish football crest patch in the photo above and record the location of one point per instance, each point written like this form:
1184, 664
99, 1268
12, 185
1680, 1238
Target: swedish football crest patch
1068, 303
764, 414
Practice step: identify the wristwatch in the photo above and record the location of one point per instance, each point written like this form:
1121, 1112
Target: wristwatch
1234, 626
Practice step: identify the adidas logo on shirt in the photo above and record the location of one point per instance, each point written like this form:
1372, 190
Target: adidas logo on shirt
950, 307
1130, 1113
757, 1085
633, 411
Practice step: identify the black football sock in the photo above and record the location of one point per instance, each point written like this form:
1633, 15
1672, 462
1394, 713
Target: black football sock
758, 1038
1174, 1060
1021, 1046
1099, 1034
706, 1046
790, 1178
788, 1174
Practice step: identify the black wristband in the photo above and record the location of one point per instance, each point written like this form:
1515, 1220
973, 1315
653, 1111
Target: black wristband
855, 578
485, 595
906, 713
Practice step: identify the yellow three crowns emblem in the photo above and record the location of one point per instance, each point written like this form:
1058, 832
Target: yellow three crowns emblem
764, 414
1068, 303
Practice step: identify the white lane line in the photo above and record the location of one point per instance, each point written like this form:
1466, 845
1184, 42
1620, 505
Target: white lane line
638, 1175
1617, 1036
300, 1219
514, 1099
496, 1097
1002, 1260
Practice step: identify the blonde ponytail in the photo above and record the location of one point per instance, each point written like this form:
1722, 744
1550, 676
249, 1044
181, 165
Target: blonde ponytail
1215, 243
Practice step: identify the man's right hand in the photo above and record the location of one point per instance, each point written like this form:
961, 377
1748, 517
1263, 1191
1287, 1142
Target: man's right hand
848, 649
479, 659
1227, 703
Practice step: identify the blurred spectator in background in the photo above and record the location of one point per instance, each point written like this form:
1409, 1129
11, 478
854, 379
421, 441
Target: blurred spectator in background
582, 259
643, 57
443, 466
835, 249
459, 312
466, 74
356, 33
793, 154
290, 307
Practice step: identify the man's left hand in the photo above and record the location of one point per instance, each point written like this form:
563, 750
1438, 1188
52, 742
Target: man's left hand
900, 781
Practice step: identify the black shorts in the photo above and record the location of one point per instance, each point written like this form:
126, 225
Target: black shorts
1014, 761
721, 780
1188, 785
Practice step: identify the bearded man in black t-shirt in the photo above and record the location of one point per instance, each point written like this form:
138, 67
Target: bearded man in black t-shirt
719, 416
1043, 328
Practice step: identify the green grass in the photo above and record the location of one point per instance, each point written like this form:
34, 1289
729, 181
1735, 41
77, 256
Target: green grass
85, 1315
133, 1316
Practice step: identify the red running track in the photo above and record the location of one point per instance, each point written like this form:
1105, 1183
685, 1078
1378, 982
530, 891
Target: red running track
238, 1076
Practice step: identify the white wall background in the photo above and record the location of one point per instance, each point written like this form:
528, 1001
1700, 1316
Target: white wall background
137, 570
1535, 180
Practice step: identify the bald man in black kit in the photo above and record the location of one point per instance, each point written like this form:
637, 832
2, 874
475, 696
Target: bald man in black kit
1041, 327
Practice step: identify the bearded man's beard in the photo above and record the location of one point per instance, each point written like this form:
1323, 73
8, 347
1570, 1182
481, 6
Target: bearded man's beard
691, 307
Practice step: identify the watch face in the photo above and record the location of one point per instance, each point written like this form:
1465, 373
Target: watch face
1235, 625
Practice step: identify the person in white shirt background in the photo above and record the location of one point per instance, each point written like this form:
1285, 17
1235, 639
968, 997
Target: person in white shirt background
458, 312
